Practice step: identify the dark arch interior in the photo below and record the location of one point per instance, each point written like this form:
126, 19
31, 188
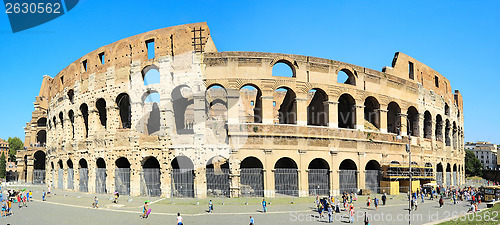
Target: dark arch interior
439, 128
122, 162
71, 95
455, 168
101, 163
316, 113
85, 114
285, 163
42, 122
83, 163
439, 167
253, 93
346, 112
448, 168
60, 164
182, 162
288, 109
52, 165
393, 117
61, 118
318, 164
41, 137
371, 110
69, 163
347, 164
251, 162
372, 165
39, 163
101, 109
413, 121
151, 162
123, 103
71, 116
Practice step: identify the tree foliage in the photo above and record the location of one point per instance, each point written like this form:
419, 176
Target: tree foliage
2, 166
473, 166
15, 144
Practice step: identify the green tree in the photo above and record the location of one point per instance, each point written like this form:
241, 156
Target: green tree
473, 166
15, 144
2, 166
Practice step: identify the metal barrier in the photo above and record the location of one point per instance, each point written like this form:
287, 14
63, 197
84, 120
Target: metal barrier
182, 183
122, 181
70, 183
150, 182
84, 179
60, 174
439, 178
251, 182
319, 182
372, 180
38, 176
286, 181
218, 182
448, 178
348, 181
100, 180
455, 178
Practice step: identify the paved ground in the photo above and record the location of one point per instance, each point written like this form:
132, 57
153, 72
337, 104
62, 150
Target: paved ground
74, 208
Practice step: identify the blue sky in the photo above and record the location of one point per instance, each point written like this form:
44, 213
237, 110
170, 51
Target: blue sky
459, 39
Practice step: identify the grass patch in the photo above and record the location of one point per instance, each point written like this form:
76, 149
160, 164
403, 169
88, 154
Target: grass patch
484, 217
474, 178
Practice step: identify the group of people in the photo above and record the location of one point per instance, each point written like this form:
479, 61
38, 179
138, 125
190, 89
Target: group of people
14, 196
329, 206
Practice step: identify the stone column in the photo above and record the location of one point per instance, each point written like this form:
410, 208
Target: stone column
110, 178
135, 176
303, 182
383, 119
404, 124
333, 119
360, 117
233, 96
267, 108
29, 168
200, 182
301, 105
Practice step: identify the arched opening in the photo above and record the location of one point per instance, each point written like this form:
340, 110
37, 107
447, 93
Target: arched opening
393, 118
71, 116
347, 112
454, 135
84, 175
151, 109
53, 183
455, 177
151, 75
317, 113
447, 133
216, 109
217, 173
448, 174
286, 106
345, 76
427, 125
372, 114
286, 177
446, 109
183, 103
251, 112
71, 175
100, 178
348, 176
319, 177
125, 110
41, 137
101, 110
150, 182
439, 128
372, 176
60, 174
71, 96
39, 167
182, 177
61, 118
42, 122
85, 114
439, 174
413, 128
122, 176
283, 68
251, 177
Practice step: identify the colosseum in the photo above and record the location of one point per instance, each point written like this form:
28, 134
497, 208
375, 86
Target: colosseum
164, 113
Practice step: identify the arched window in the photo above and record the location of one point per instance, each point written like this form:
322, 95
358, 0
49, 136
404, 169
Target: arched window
393, 118
41, 137
100, 179
447, 133
286, 177
183, 103
286, 106
439, 128
71, 96
372, 114
446, 109
348, 177
318, 177
427, 125
183, 177
85, 114
251, 111
217, 173
283, 69
345, 76
123, 103
71, 116
122, 176
101, 109
317, 113
251, 177
346, 112
42, 122
151, 109
151, 177
216, 109
413, 121
151, 75
372, 176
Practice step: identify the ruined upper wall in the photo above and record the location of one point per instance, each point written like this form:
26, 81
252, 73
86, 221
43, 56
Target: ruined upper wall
168, 41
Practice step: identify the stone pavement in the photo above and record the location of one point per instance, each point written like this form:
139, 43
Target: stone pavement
66, 207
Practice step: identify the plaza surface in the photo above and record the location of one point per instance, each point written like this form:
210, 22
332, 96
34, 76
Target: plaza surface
65, 207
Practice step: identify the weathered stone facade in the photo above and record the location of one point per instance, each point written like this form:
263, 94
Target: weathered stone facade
225, 112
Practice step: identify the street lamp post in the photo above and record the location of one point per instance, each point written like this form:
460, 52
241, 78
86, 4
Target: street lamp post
408, 150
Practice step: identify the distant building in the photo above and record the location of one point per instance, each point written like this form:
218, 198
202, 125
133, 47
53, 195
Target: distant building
486, 152
4, 148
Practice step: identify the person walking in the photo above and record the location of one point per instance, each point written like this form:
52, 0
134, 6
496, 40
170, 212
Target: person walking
179, 219
384, 198
252, 221
330, 213
96, 203
210, 206
43, 195
264, 206
441, 202
144, 210
375, 201
351, 214
367, 222
368, 202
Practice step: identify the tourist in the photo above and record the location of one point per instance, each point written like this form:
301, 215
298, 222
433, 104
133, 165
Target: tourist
251, 220
441, 202
4, 208
96, 203
24, 200
384, 198
48, 191
116, 197
351, 214
19, 200
179, 219
368, 202
144, 210
330, 213
264, 206
375, 201
210, 206
43, 195
367, 222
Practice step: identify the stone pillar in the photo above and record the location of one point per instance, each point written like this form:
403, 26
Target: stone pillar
267, 108
303, 182
404, 124
301, 105
135, 176
29, 168
200, 183
333, 119
199, 118
93, 122
110, 178
76, 177
166, 182
91, 176
383, 119
360, 117
233, 96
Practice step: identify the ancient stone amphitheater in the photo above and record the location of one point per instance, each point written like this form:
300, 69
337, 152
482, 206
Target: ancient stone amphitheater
164, 113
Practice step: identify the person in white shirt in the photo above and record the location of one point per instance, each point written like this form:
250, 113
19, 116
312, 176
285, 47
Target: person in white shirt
179, 219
